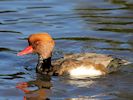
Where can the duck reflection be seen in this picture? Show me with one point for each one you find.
(38, 89)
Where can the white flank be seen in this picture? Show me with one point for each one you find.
(84, 71)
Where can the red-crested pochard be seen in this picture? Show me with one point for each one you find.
(75, 65)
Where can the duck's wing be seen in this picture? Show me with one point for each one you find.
(107, 61)
(91, 57)
(100, 61)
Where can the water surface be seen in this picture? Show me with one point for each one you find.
(101, 26)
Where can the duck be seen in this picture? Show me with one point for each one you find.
(75, 65)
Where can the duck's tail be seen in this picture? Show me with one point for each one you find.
(116, 63)
(125, 62)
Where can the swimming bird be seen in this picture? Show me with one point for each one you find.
(75, 65)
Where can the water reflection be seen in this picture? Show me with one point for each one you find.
(38, 89)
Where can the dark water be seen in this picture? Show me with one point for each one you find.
(102, 26)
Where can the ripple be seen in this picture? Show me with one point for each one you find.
(6, 11)
(38, 7)
(89, 39)
(5, 49)
(9, 31)
(116, 30)
(97, 9)
(116, 23)
(12, 76)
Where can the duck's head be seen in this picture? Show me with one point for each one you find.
(40, 43)
(43, 45)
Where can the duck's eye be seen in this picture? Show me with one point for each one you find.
(36, 42)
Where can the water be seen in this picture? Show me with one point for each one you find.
(101, 26)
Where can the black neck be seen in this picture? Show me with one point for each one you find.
(44, 65)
